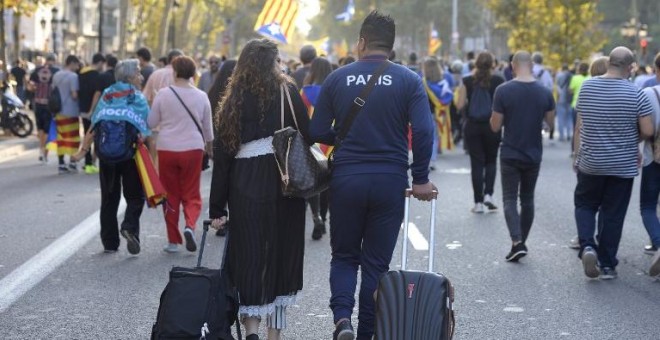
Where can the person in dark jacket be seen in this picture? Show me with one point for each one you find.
(370, 174)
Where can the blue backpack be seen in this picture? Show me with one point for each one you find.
(481, 104)
(115, 140)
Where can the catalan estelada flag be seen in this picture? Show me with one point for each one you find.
(153, 188)
(434, 40)
(277, 20)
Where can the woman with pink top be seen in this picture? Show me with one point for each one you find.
(183, 114)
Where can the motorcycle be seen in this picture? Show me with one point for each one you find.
(12, 115)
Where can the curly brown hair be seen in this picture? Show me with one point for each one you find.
(256, 73)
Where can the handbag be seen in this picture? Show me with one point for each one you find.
(303, 169)
(205, 159)
(356, 107)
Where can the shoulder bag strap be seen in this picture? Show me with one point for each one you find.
(199, 128)
(358, 103)
(288, 98)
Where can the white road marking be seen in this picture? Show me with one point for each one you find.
(30, 273)
(416, 238)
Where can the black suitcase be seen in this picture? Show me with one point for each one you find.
(414, 305)
(197, 303)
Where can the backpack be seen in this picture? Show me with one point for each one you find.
(115, 141)
(55, 101)
(480, 106)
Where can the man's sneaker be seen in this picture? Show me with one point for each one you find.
(655, 265)
(171, 248)
(132, 243)
(344, 331)
(608, 273)
(189, 235)
(574, 243)
(478, 208)
(62, 169)
(590, 263)
(488, 203)
(517, 252)
(650, 249)
(109, 251)
(319, 229)
(91, 169)
(73, 167)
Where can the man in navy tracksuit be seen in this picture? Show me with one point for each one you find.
(370, 169)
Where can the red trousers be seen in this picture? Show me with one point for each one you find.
(180, 174)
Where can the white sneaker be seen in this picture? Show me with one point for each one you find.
(171, 248)
(488, 203)
(478, 208)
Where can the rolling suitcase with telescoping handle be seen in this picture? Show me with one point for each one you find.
(414, 305)
(198, 303)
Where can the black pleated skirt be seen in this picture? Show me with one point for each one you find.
(267, 238)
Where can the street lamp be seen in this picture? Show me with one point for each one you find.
(53, 25)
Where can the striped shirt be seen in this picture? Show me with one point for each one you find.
(610, 110)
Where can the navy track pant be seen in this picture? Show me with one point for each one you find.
(366, 214)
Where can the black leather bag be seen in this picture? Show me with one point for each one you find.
(303, 169)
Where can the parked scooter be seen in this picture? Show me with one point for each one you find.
(12, 115)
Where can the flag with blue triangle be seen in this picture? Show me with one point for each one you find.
(277, 20)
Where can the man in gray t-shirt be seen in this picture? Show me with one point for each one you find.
(66, 82)
(68, 134)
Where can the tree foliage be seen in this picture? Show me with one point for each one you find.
(563, 30)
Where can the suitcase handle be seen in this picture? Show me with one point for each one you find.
(406, 222)
(206, 224)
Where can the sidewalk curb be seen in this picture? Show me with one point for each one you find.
(13, 148)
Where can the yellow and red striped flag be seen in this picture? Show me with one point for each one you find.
(277, 20)
(153, 188)
(434, 40)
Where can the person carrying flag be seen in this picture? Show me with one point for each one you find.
(440, 97)
(122, 105)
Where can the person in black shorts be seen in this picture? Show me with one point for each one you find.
(40, 81)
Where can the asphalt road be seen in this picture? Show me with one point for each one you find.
(546, 296)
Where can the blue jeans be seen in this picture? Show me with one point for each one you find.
(564, 120)
(648, 201)
(367, 211)
(519, 177)
(607, 196)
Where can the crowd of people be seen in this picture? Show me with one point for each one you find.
(230, 111)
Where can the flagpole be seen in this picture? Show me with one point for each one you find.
(454, 29)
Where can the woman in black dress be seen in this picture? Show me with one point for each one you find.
(266, 237)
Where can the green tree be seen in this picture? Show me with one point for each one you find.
(20, 8)
(563, 30)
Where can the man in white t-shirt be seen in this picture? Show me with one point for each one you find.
(650, 186)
